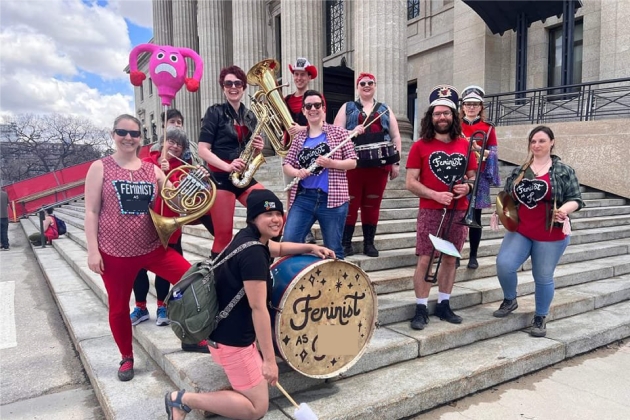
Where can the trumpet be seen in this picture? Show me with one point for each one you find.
(191, 196)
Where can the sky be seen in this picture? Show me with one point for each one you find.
(68, 56)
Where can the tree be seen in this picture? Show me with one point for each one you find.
(32, 145)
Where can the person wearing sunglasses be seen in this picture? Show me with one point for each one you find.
(379, 150)
(436, 167)
(121, 237)
(474, 119)
(303, 72)
(321, 195)
(226, 130)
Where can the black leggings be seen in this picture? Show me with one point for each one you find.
(141, 283)
(474, 235)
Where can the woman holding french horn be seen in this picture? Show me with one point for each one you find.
(121, 238)
(378, 149)
(473, 119)
(546, 192)
(226, 130)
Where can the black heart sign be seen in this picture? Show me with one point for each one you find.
(447, 168)
(530, 191)
(307, 156)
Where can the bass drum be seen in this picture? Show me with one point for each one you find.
(324, 314)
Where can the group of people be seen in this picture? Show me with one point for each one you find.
(337, 170)
(441, 174)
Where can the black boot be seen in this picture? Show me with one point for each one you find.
(346, 240)
(369, 231)
(443, 311)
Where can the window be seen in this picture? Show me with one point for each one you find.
(278, 32)
(150, 87)
(334, 26)
(555, 55)
(413, 9)
(412, 108)
(153, 129)
(141, 89)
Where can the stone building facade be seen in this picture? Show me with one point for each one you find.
(410, 45)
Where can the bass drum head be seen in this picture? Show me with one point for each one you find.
(327, 316)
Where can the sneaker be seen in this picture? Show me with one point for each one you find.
(139, 315)
(162, 318)
(444, 312)
(310, 239)
(125, 372)
(507, 306)
(539, 327)
(472, 263)
(200, 347)
(421, 318)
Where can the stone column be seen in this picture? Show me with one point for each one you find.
(162, 22)
(249, 21)
(302, 36)
(215, 47)
(380, 40)
(185, 35)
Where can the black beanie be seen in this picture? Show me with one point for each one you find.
(261, 201)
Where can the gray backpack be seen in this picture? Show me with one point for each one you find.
(192, 304)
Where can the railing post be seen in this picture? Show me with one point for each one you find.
(42, 217)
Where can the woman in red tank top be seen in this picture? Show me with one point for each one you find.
(121, 237)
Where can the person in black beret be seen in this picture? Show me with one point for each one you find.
(232, 344)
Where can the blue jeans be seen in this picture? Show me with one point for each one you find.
(4, 232)
(310, 205)
(515, 249)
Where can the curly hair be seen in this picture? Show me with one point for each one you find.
(236, 71)
(427, 130)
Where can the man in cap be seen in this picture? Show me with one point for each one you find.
(303, 72)
(233, 343)
(435, 170)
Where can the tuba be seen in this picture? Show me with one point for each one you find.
(191, 196)
(274, 119)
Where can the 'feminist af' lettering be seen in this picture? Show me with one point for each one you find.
(447, 168)
(343, 313)
(529, 192)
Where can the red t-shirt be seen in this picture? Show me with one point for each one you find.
(534, 196)
(439, 163)
(468, 129)
(294, 103)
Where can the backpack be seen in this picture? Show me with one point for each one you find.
(192, 304)
(61, 226)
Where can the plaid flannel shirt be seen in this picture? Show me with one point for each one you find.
(337, 181)
(564, 183)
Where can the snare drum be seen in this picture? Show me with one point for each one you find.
(324, 314)
(376, 154)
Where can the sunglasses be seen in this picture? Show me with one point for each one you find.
(123, 133)
(317, 105)
(369, 83)
(232, 83)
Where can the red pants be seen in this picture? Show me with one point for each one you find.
(119, 275)
(366, 187)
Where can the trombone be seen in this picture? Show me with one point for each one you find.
(468, 219)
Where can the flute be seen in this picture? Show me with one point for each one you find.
(314, 165)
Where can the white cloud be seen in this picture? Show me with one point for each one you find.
(51, 48)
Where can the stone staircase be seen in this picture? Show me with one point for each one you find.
(402, 372)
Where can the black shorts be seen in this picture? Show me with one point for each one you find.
(224, 183)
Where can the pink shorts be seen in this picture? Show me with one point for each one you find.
(428, 222)
(242, 365)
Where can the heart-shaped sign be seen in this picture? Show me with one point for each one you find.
(307, 156)
(447, 168)
(530, 191)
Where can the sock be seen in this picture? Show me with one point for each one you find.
(422, 301)
(443, 296)
(141, 305)
(160, 303)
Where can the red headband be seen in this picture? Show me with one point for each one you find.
(364, 75)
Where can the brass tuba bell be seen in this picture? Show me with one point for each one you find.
(190, 196)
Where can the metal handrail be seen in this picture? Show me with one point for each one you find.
(42, 215)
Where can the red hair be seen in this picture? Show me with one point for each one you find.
(364, 75)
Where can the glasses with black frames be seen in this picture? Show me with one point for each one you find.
(316, 105)
(232, 83)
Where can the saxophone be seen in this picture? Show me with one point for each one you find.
(253, 158)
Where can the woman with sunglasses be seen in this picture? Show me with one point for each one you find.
(225, 131)
(473, 119)
(121, 237)
(323, 194)
(379, 150)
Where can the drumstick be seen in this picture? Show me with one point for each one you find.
(286, 394)
(302, 411)
(314, 165)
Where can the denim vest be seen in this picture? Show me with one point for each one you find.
(352, 117)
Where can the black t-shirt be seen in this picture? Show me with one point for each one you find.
(250, 264)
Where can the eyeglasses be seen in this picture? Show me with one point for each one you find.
(123, 133)
(472, 104)
(233, 83)
(317, 105)
(369, 83)
(174, 143)
(442, 114)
